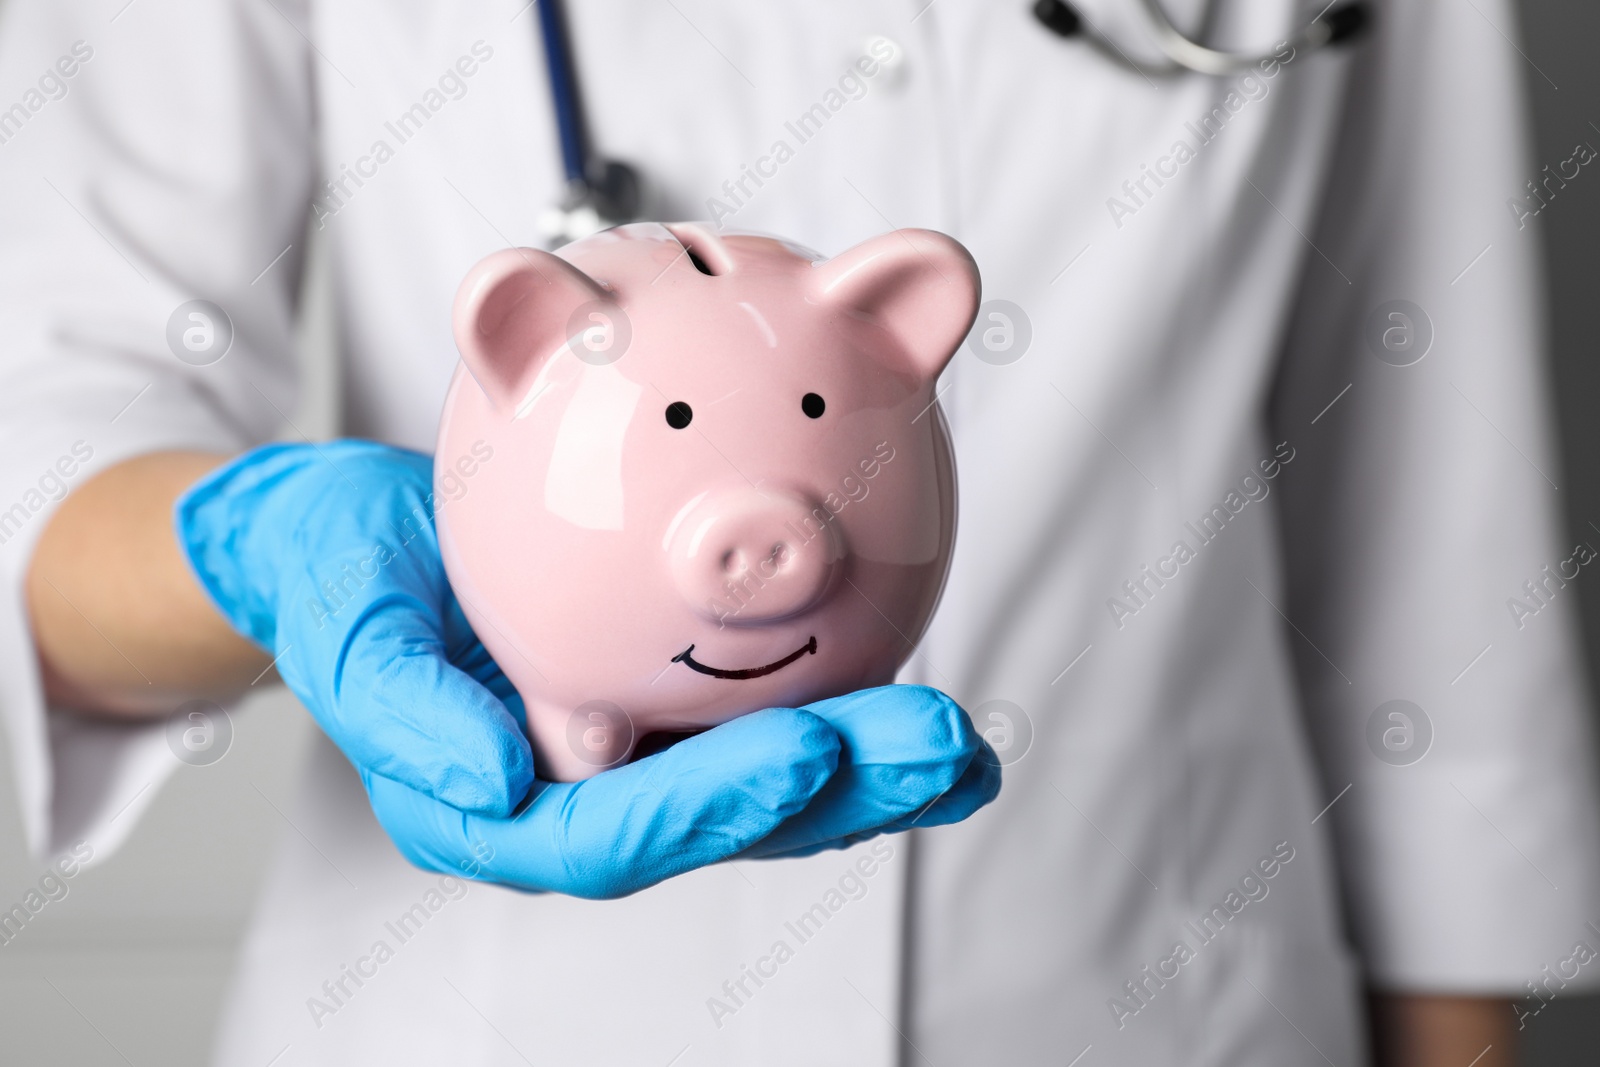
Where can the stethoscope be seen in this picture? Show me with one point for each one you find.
(1338, 22)
(601, 193)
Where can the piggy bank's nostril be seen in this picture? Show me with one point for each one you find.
(732, 561)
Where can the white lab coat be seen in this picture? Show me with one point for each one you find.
(1182, 334)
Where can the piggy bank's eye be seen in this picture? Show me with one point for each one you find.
(679, 414)
(813, 405)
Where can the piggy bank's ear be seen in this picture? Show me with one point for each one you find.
(920, 286)
(511, 315)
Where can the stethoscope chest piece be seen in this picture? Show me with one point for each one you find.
(597, 202)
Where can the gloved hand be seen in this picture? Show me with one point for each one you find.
(780, 782)
(327, 557)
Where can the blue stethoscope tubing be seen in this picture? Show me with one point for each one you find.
(564, 90)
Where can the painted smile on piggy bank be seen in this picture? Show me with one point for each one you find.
(748, 672)
(671, 503)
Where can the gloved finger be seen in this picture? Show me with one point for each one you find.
(837, 844)
(462, 648)
(904, 746)
(398, 708)
(978, 785)
(698, 802)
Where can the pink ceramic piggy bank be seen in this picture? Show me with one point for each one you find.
(684, 476)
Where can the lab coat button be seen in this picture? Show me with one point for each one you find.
(886, 57)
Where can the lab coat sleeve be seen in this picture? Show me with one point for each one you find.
(1420, 503)
(153, 154)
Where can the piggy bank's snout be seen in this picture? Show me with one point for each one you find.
(750, 556)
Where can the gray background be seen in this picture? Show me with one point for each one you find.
(143, 946)
(1560, 37)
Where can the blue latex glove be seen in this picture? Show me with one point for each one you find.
(780, 782)
(327, 557)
